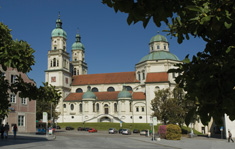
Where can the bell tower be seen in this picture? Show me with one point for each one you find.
(58, 68)
(79, 66)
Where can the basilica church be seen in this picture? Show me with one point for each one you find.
(107, 97)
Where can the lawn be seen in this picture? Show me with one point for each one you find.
(131, 126)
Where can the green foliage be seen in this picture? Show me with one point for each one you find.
(170, 107)
(209, 78)
(107, 125)
(48, 97)
(19, 55)
(173, 132)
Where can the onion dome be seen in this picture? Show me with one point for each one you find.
(159, 55)
(88, 94)
(77, 45)
(158, 38)
(58, 31)
(124, 93)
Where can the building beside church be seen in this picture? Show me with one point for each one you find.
(22, 111)
(107, 97)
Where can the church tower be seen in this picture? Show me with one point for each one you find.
(79, 67)
(58, 68)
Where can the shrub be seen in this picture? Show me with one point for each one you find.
(162, 131)
(173, 132)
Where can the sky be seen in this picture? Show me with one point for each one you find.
(111, 45)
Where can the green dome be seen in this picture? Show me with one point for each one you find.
(159, 55)
(59, 32)
(77, 44)
(124, 93)
(88, 94)
(158, 38)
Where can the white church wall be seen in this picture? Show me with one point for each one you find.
(229, 125)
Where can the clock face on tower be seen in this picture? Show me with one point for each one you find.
(53, 79)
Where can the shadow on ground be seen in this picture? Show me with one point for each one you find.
(21, 140)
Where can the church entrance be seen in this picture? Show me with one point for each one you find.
(106, 109)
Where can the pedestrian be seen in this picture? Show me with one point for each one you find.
(230, 136)
(6, 130)
(2, 131)
(15, 130)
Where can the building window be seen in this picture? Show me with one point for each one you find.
(74, 71)
(115, 107)
(110, 89)
(80, 107)
(24, 101)
(139, 75)
(55, 48)
(97, 107)
(165, 47)
(79, 90)
(137, 109)
(55, 41)
(20, 120)
(173, 75)
(94, 89)
(158, 46)
(51, 63)
(130, 106)
(13, 78)
(142, 109)
(143, 75)
(64, 105)
(156, 89)
(57, 63)
(93, 107)
(54, 62)
(140, 117)
(128, 88)
(72, 107)
(131, 117)
(75, 59)
(12, 98)
(72, 117)
(64, 47)
(66, 80)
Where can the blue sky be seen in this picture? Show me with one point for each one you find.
(111, 45)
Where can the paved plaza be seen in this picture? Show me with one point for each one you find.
(103, 140)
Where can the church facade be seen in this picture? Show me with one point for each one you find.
(107, 97)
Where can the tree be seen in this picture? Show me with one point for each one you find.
(170, 106)
(209, 78)
(51, 98)
(19, 55)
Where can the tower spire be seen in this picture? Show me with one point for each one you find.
(78, 37)
(59, 22)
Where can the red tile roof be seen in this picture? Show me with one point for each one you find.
(104, 96)
(157, 77)
(105, 78)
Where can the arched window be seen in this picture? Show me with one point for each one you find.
(158, 46)
(57, 63)
(110, 89)
(74, 71)
(93, 107)
(51, 63)
(54, 62)
(80, 107)
(156, 89)
(139, 76)
(143, 73)
(64, 105)
(115, 107)
(164, 46)
(79, 90)
(94, 89)
(72, 107)
(97, 107)
(128, 88)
